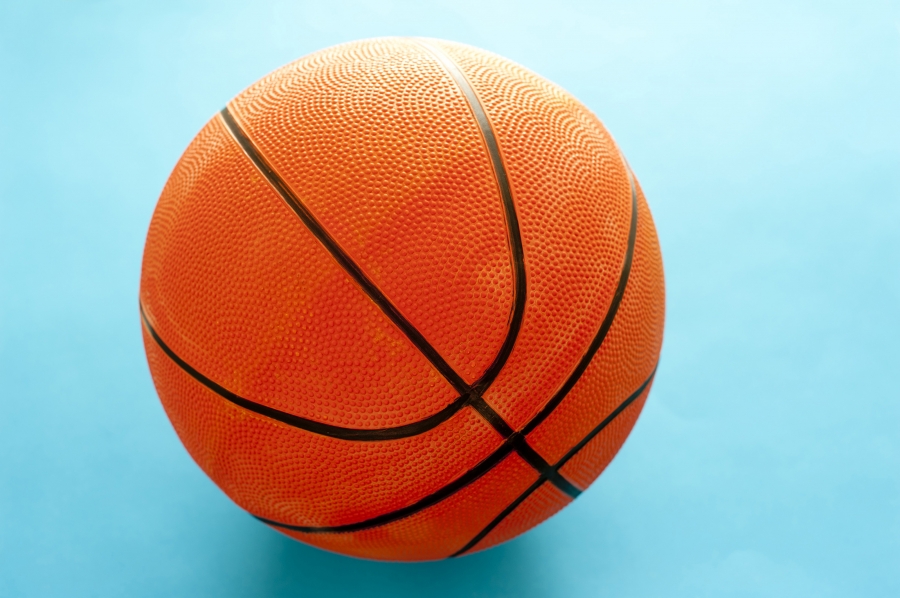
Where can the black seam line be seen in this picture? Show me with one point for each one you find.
(478, 402)
(488, 413)
(572, 452)
(467, 478)
(517, 251)
(548, 472)
(604, 326)
(495, 419)
(512, 443)
(378, 434)
(606, 421)
(468, 395)
(528, 454)
(491, 416)
(374, 293)
(503, 515)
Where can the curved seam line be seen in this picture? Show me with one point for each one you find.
(467, 478)
(605, 326)
(528, 454)
(503, 515)
(468, 394)
(341, 256)
(572, 452)
(607, 420)
(533, 458)
(517, 258)
(570, 382)
(296, 421)
(483, 467)
(514, 237)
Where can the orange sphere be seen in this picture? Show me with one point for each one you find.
(402, 299)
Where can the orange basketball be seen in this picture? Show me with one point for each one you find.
(402, 299)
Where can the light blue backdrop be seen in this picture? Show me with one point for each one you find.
(767, 138)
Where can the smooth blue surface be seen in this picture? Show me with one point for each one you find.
(767, 138)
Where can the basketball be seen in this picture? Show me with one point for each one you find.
(402, 299)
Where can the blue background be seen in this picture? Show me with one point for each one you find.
(767, 138)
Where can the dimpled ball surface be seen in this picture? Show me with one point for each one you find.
(402, 299)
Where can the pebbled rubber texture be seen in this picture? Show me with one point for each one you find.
(560, 160)
(240, 289)
(627, 356)
(368, 287)
(439, 530)
(285, 474)
(544, 501)
(381, 145)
